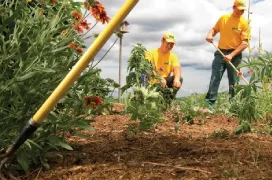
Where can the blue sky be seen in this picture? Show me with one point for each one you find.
(190, 21)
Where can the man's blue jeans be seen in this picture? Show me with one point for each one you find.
(218, 68)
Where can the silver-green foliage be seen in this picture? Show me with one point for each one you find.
(147, 101)
(145, 105)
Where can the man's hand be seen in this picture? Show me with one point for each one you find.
(238, 50)
(209, 38)
(210, 35)
(228, 58)
(176, 83)
(163, 81)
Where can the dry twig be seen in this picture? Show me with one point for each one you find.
(177, 167)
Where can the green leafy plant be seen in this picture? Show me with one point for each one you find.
(251, 102)
(148, 101)
(188, 108)
(139, 69)
(244, 127)
(220, 134)
(146, 106)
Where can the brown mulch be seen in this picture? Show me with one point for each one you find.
(195, 151)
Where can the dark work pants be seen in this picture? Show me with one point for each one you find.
(218, 68)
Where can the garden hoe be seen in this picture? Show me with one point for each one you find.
(230, 63)
(66, 83)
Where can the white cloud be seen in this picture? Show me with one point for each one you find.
(190, 21)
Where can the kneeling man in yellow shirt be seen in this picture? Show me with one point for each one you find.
(166, 62)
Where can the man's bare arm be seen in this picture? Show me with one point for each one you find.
(177, 75)
(210, 35)
(238, 50)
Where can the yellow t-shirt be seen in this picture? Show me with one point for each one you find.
(163, 62)
(233, 30)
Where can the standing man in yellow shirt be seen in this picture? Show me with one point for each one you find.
(233, 29)
(166, 62)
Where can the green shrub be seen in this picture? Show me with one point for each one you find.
(36, 53)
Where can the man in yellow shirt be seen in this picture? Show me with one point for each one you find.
(233, 29)
(166, 62)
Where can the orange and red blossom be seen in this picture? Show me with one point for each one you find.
(72, 45)
(53, 2)
(92, 101)
(99, 13)
(79, 24)
(86, 5)
(78, 28)
(77, 48)
(84, 24)
(76, 15)
(239, 73)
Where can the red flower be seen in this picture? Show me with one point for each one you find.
(78, 28)
(53, 2)
(85, 25)
(86, 5)
(92, 101)
(79, 49)
(104, 18)
(76, 15)
(250, 71)
(98, 100)
(239, 73)
(99, 13)
(72, 45)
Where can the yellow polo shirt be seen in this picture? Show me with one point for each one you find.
(163, 62)
(233, 30)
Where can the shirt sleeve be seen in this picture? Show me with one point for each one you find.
(245, 31)
(175, 61)
(217, 25)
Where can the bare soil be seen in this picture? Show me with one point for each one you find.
(205, 150)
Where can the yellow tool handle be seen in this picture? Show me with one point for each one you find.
(230, 63)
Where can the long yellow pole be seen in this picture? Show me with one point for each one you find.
(87, 57)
